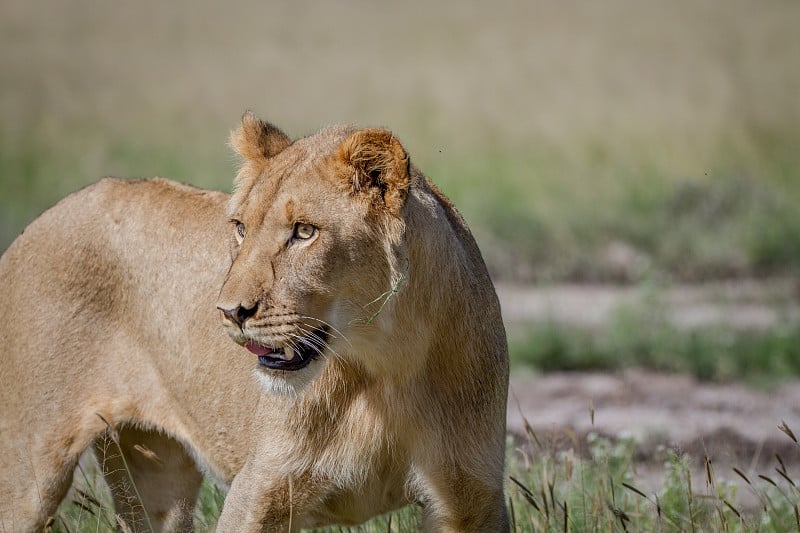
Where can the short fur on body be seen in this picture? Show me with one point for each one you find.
(131, 308)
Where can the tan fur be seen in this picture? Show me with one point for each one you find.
(110, 336)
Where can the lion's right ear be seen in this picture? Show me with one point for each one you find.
(379, 166)
(256, 140)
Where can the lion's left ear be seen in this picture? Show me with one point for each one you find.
(379, 166)
(256, 140)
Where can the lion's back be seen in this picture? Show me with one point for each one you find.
(94, 267)
(107, 233)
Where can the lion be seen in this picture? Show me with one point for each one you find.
(326, 340)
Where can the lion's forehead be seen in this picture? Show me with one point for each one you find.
(297, 184)
(309, 199)
(304, 157)
(325, 140)
(303, 193)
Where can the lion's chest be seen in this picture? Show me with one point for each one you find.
(358, 454)
(379, 494)
(364, 470)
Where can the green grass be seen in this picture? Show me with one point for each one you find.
(641, 336)
(552, 216)
(542, 217)
(591, 486)
(598, 490)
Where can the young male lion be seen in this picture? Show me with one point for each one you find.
(362, 364)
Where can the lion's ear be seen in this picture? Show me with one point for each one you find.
(379, 164)
(257, 140)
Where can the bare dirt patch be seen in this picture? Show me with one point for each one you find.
(730, 421)
(732, 424)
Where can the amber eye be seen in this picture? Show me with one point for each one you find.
(303, 231)
(240, 231)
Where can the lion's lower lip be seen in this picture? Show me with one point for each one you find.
(296, 363)
(305, 351)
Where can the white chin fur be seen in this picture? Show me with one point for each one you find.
(289, 383)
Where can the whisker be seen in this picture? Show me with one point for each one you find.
(318, 348)
(266, 324)
(310, 328)
(329, 325)
(313, 336)
(298, 332)
(315, 342)
(292, 344)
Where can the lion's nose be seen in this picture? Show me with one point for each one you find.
(239, 314)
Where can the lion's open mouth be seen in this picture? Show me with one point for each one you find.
(299, 355)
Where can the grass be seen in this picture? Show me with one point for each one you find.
(555, 217)
(719, 332)
(590, 486)
(536, 222)
(718, 353)
(597, 491)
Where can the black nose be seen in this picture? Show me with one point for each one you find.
(239, 314)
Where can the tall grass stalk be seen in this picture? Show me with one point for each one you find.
(590, 486)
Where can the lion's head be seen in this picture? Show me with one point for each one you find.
(317, 245)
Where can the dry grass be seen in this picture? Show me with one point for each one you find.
(592, 486)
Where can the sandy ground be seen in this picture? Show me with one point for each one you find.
(732, 424)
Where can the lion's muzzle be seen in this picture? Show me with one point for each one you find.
(284, 341)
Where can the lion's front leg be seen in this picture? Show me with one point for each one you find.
(261, 500)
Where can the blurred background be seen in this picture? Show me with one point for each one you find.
(636, 161)
(631, 170)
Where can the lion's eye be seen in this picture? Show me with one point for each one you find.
(240, 231)
(303, 231)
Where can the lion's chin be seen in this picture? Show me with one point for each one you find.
(289, 383)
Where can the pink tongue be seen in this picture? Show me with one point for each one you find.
(258, 349)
